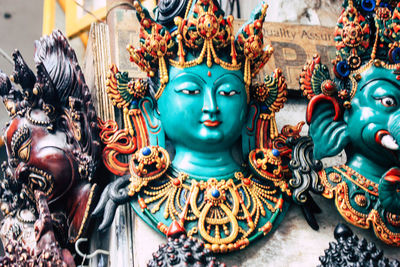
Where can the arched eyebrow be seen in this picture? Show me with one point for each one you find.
(191, 76)
(225, 76)
(382, 80)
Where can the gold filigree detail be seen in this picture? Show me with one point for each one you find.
(226, 205)
(147, 164)
(328, 187)
(346, 210)
(335, 177)
(359, 180)
(382, 231)
(360, 200)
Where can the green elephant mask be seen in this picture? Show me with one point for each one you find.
(358, 111)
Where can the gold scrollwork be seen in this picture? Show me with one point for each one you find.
(224, 205)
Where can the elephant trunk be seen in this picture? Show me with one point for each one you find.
(394, 127)
(389, 194)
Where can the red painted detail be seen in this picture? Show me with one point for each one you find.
(142, 137)
(266, 228)
(330, 86)
(175, 229)
(393, 175)
(211, 123)
(253, 119)
(246, 181)
(379, 135)
(147, 115)
(258, 129)
(142, 204)
(280, 203)
(316, 100)
(176, 182)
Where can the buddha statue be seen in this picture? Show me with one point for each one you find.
(203, 155)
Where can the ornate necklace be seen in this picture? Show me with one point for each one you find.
(227, 214)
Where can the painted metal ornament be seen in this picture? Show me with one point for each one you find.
(358, 111)
(349, 250)
(53, 148)
(183, 127)
(185, 251)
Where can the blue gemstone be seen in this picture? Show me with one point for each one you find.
(134, 104)
(275, 152)
(343, 69)
(368, 5)
(395, 55)
(146, 151)
(215, 193)
(264, 108)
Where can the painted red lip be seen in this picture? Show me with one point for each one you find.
(211, 123)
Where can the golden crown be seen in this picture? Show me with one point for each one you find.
(367, 30)
(367, 34)
(205, 31)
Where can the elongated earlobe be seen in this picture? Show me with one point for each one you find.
(152, 118)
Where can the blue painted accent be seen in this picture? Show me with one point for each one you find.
(343, 69)
(146, 151)
(368, 5)
(215, 193)
(275, 152)
(134, 104)
(264, 108)
(396, 55)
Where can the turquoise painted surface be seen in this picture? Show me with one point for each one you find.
(375, 107)
(202, 111)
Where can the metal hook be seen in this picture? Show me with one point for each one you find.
(86, 256)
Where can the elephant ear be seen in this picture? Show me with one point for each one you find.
(324, 113)
(329, 135)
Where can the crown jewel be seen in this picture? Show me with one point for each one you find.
(203, 35)
(367, 34)
(368, 30)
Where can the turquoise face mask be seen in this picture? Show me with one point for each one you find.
(205, 156)
(202, 111)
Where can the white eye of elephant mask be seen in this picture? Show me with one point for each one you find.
(388, 101)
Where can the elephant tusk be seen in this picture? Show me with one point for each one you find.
(389, 142)
(385, 139)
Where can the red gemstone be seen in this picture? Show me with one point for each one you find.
(329, 86)
(246, 181)
(176, 182)
(175, 229)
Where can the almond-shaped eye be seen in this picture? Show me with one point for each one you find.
(25, 151)
(388, 101)
(190, 92)
(230, 93)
